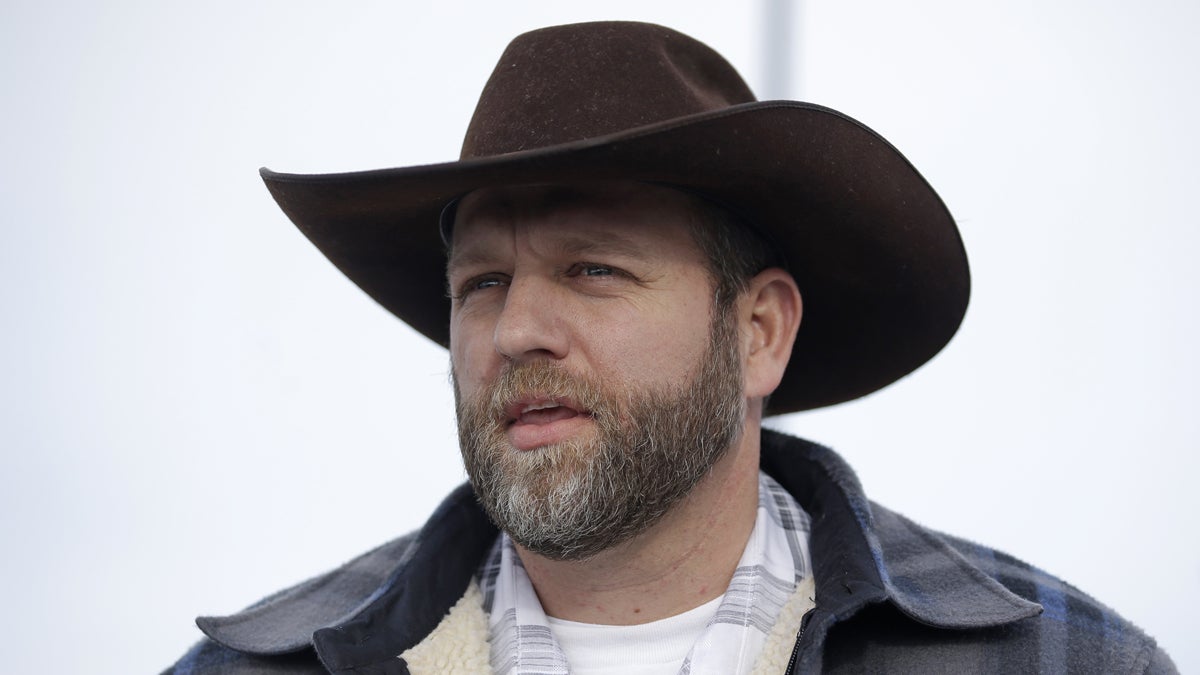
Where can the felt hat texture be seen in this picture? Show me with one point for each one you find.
(874, 251)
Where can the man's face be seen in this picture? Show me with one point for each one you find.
(595, 384)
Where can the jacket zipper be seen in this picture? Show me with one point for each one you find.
(791, 666)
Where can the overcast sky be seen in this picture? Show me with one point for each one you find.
(198, 409)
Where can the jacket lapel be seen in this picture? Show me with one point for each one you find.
(375, 606)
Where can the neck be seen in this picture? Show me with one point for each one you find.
(682, 562)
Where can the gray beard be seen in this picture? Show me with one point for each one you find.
(572, 500)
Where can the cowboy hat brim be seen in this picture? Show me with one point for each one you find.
(874, 251)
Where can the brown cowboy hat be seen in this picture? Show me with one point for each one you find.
(873, 249)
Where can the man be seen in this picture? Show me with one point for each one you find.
(632, 264)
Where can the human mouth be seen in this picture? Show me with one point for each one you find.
(535, 422)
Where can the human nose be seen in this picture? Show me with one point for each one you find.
(531, 324)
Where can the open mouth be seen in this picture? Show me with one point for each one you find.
(546, 412)
(536, 421)
(543, 410)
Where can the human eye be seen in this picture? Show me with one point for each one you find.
(592, 270)
(481, 282)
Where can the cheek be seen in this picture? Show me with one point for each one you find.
(468, 358)
(659, 346)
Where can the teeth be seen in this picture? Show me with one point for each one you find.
(538, 406)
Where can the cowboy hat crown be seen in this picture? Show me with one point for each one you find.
(585, 81)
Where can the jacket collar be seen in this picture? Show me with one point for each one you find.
(387, 600)
(407, 584)
(864, 553)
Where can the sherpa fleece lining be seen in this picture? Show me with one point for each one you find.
(459, 644)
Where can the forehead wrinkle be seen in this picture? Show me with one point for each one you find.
(563, 241)
(569, 219)
(598, 241)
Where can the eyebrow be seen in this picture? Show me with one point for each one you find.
(597, 243)
(458, 258)
(601, 242)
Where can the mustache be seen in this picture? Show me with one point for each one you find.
(540, 379)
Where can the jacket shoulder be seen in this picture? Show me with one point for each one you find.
(1074, 632)
(273, 636)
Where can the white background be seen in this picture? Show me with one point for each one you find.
(196, 408)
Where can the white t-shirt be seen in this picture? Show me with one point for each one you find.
(655, 648)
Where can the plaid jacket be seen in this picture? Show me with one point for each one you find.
(892, 597)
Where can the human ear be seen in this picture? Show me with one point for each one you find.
(771, 310)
